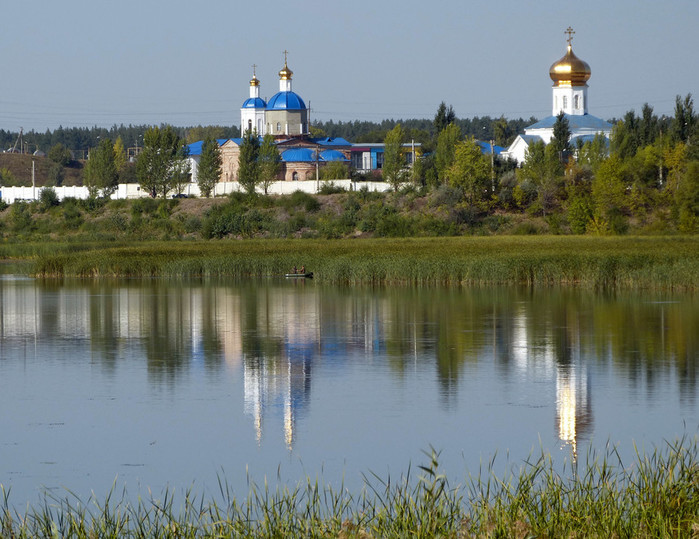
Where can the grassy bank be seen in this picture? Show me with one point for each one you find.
(656, 496)
(616, 262)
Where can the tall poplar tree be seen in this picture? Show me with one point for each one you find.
(248, 167)
(393, 159)
(444, 154)
(100, 173)
(269, 162)
(161, 157)
(209, 169)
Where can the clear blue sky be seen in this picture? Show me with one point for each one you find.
(85, 63)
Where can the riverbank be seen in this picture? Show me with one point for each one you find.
(655, 496)
(612, 262)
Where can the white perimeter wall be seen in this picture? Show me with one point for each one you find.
(133, 190)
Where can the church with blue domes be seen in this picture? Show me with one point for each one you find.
(284, 115)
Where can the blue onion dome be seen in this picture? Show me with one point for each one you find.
(254, 103)
(286, 101)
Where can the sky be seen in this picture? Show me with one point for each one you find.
(91, 63)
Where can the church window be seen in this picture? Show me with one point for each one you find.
(295, 176)
(279, 127)
(565, 101)
(576, 100)
(249, 125)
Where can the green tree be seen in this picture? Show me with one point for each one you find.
(594, 152)
(625, 135)
(59, 154)
(160, 156)
(100, 173)
(197, 133)
(180, 172)
(269, 162)
(687, 199)
(119, 155)
(209, 169)
(560, 142)
(248, 166)
(447, 140)
(648, 126)
(470, 170)
(502, 132)
(542, 168)
(609, 197)
(444, 117)
(394, 160)
(684, 121)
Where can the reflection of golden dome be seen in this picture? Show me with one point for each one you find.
(285, 74)
(570, 70)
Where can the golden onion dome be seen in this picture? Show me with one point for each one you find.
(285, 73)
(254, 81)
(570, 70)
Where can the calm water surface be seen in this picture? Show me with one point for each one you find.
(170, 384)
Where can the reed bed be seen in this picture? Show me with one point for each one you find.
(628, 262)
(656, 496)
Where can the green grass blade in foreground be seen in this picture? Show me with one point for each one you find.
(656, 496)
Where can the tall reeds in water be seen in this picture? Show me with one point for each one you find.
(656, 496)
(551, 260)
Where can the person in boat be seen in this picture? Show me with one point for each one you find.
(303, 270)
(293, 271)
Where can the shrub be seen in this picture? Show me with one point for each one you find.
(232, 219)
(20, 217)
(446, 195)
(329, 188)
(71, 215)
(143, 205)
(7, 178)
(48, 198)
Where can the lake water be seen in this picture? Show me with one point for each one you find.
(172, 384)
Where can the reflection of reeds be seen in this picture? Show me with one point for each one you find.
(655, 497)
(582, 261)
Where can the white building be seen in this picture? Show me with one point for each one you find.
(569, 75)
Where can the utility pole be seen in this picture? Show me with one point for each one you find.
(492, 166)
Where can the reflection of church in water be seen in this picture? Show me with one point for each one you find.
(278, 385)
(557, 354)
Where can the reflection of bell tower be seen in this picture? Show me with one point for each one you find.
(573, 402)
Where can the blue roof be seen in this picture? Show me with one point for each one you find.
(286, 101)
(586, 138)
(332, 155)
(329, 141)
(195, 147)
(308, 155)
(485, 148)
(575, 121)
(254, 103)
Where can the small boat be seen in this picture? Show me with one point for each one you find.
(308, 275)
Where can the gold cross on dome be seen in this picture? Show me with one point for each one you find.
(570, 33)
(254, 67)
(285, 53)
